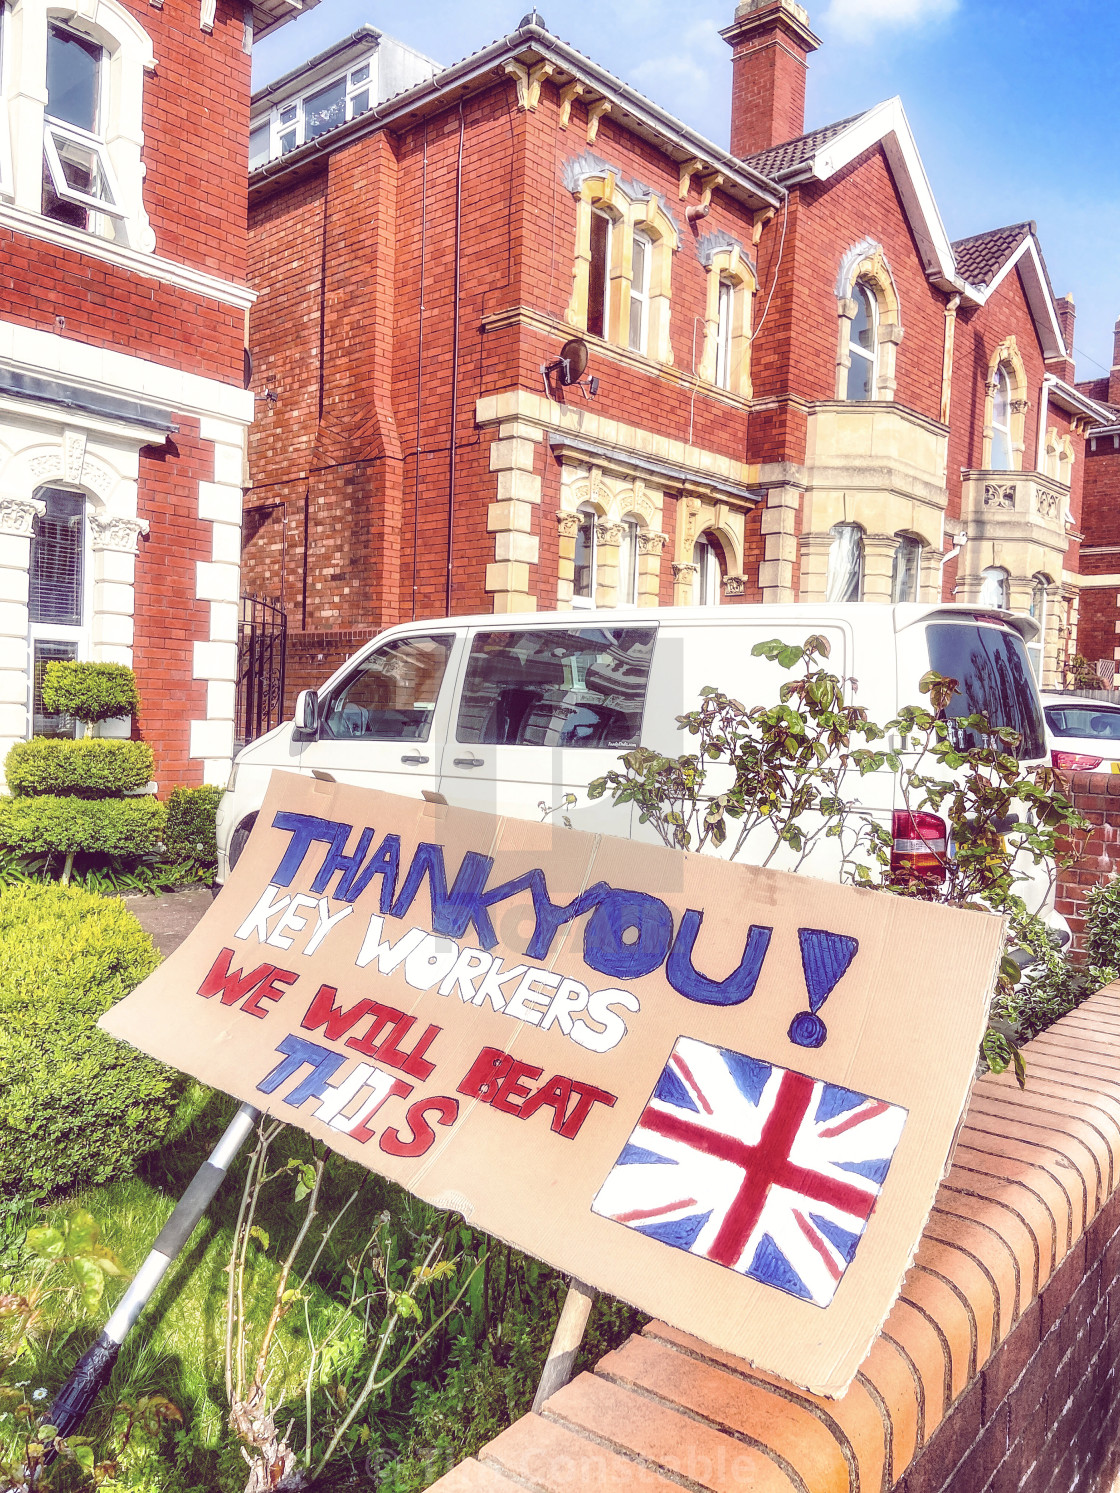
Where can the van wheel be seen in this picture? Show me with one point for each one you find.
(240, 839)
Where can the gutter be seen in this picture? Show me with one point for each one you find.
(448, 86)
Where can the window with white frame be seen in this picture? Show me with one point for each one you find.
(1001, 422)
(599, 275)
(709, 577)
(1039, 587)
(326, 106)
(78, 177)
(641, 263)
(863, 345)
(995, 588)
(57, 599)
(844, 581)
(905, 569)
(583, 577)
(725, 332)
(628, 563)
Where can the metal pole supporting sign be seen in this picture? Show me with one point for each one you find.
(92, 1371)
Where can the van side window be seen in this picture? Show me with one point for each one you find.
(579, 687)
(391, 696)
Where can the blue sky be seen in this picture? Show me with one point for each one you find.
(1014, 103)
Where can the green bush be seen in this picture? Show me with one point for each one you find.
(76, 1106)
(190, 833)
(91, 768)
(90, 692)
(1102, 926)
(125, 827)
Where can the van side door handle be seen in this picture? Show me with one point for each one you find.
(470, 762)
(415, 760)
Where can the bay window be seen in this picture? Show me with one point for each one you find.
(844, 580)
(1000, 460)
(583, 588)
(905, 569)
(709, 576)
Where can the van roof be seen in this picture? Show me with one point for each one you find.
(902, 614)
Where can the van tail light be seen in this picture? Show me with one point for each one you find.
(1075, 761)
(921, 846)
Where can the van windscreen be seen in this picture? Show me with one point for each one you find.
(994, 679)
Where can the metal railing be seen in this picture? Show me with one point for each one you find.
(262, 641)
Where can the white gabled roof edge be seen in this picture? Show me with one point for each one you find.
(887, 123)
(1039, 296)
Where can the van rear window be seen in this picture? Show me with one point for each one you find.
(994, 679)
(557, 687)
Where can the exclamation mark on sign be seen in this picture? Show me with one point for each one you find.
(825, 959)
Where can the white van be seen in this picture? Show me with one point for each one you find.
(506, 713)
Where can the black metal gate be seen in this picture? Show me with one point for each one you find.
(261, 648)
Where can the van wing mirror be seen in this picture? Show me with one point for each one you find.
(306, 719)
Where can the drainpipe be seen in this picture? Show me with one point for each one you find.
(455, 360)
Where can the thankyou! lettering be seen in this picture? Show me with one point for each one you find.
(628, 934)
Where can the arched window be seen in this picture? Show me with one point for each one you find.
(725, 332)
(628, 563)
(863, 345)
(1035, 650)
(1000, 460)
(641, 265)
(583, 589)
(844, 581)
(906, 569)
(599, 275)
(56, 595)
(995, 588)
(709, 577)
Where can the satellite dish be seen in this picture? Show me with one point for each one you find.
(573, 359)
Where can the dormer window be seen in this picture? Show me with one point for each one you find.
(324, 108)
(77, 176)
(863, 345)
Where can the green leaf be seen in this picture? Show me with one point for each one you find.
(84, 1457)
(256, 1232)
(48, 1244)
(82, 1233)
(88, 1274)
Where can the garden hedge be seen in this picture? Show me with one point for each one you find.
(191, 830)
(90, 692)
(76, 1106)
(90, 768)
(126, 827)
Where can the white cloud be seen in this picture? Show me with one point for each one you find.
(698, 66)
(866, 17)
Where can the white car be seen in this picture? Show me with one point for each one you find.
(1083, 733)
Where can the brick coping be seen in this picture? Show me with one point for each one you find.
(1016, 1233)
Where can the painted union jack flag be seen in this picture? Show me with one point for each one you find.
(766, 1171)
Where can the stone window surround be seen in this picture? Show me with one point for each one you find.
(39, 447)
(614, 498)
(724, 258)
(1007, 357)
(598, 186)
(866, 262)
(129, 55)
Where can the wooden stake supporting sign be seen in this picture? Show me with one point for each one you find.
(703, 1088)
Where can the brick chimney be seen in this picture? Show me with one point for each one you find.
(1064, 367)
(1114, 376)
(770, 44)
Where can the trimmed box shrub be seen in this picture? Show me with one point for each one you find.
(89, 768)
(191, 833)
(76, 1106)
(124, 827)
(90, 692)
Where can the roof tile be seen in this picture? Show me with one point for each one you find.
(781, 158)
(980, 258)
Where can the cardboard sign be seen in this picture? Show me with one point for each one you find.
(723, 1094)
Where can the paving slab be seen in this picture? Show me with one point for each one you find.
(170, 916)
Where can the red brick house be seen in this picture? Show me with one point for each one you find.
(1099, 634)
(123, 307)
(804, 389)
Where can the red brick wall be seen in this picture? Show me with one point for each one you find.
(168, 618)
(1097, 796)
(1097, 636)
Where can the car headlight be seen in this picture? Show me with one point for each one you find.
(232, 783)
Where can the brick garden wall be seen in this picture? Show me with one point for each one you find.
(1097, 796)
(997, 1370)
